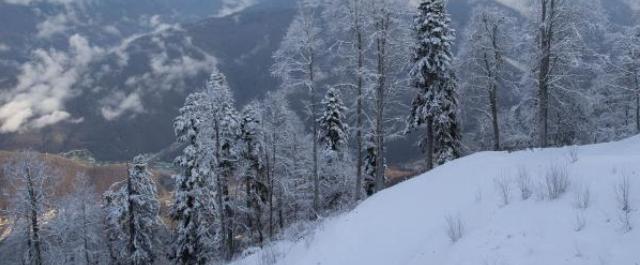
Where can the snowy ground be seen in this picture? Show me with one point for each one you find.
(406, 224)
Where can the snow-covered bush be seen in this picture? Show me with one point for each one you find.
(503, 187)
(524, 183)
(581, 222)
(582, 198)
(556, 182)
(455, 227)
(269, 255)
(573, 154)
(623, 189)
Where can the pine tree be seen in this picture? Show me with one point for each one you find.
(251, 138)
(143, 212)
(194, 209)
(132, 217)
(446, 131)
(333, 130)
(370, 164)
(225, 126)
(431, 70)
(115, 202)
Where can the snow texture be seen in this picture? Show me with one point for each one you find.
(409, 221)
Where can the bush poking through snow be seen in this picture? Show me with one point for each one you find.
(623, 189)
(455, 228)
(581, 222)
(583, 198)
(503, 187)
(269, 255)
(573, 154)
(524, 183)
(556, 182)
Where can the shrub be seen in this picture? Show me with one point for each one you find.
(524, 183)
(582, 199)
(455, 228)
(503, 186)
(623, 189)
(556, 182)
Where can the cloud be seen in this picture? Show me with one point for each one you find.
(4, 47)
(53, 25)
(118, 104)
(230, 7)
(44, 85)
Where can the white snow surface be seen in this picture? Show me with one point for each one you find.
(405, 224)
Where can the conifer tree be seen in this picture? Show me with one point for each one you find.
(446, 130)
(431, 70)
(194, 208)
(251, 138)
(333, 130)
(132, 217)
(225, 126)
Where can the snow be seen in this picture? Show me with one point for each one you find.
(406, 225)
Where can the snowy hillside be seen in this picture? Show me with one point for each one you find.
(407, 224)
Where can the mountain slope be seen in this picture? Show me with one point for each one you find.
(406, 225)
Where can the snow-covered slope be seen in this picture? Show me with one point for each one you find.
(406, 224)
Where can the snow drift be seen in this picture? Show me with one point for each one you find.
(416, 222)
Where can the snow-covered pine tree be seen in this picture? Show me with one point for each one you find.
(445, 123)
(333, 138)
(333, 129)
(225, 126)
(370, 164)
(252, 156)
(143, 209)
(116, 210)
(349, 21)
(432, 57)
(132, 217)
(194, 209)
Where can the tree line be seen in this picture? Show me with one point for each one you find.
(558, 74)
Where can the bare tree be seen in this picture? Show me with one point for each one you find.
(31, 178)
(296, 64)
(487, 41)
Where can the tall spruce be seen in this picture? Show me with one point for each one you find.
(252, 154)
(225, 126)
(333, 130)
(446, 129)
(194, 208)
(133, 216)
(431, 70)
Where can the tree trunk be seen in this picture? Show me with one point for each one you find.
(132, 227)
(85, 234)
(381, 42)
(637, 81)
(429, 148)
(359, 114)
(314, 114)
(546, 38)
(35, 224)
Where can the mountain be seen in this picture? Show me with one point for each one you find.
(114, 89)
(109, 76)
(414, 222)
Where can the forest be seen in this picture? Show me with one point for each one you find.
(354, 75)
